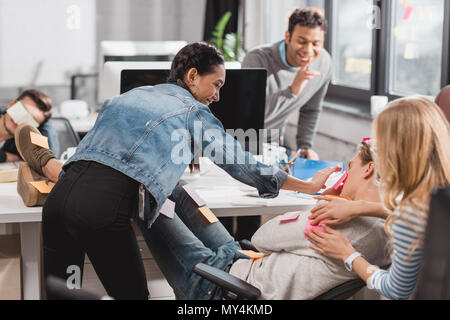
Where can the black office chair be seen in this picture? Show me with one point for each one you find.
(434, 281)
(237, 289)
(67, 137)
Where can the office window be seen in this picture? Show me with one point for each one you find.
(394, 48)
(351, 44)
(416, 47)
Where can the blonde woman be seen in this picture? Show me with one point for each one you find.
(413, 149)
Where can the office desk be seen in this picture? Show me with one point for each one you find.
(224, 195)
(12, 210)
(227, 197)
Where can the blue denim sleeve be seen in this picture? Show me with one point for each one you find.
(47, 130)
(227, 153)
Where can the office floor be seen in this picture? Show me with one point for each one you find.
(157, 285)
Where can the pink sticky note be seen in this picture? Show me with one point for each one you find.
(407, 13)
(341, 181)
(194, 195)
(309, 227)
(168, 209)
(289, 217)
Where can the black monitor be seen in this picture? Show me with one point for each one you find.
(242, 98)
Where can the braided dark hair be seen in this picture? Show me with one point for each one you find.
(199, 55)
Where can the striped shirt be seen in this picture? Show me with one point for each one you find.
(400, 280)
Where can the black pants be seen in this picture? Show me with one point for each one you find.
(88, 212)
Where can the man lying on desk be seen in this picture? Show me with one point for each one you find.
(37, 107)
(289, 268)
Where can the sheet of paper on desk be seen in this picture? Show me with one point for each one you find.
(194, 195)
(168, 209)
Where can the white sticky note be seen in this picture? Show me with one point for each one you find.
(19, 115)
(194, 195)
(168, 209)
(289, 217)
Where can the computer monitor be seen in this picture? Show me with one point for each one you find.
(138, 51)
(110, 86)
(242, 98)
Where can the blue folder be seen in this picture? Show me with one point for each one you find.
(305, 168)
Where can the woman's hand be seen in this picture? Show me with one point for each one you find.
(319, 179)
(332, 244)
(337, 210)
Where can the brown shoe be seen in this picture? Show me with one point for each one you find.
(36, 156)
(30, 195)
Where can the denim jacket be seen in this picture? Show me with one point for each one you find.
(151, 134)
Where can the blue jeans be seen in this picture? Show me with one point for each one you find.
(178, 244)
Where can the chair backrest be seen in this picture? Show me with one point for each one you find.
(434, 278)
(67, 137)
(343, 291)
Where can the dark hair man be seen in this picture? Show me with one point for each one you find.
(39, 107)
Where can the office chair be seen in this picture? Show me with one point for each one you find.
(67, 137)
(434, 278)
(237, 289)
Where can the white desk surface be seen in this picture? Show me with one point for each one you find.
(223, 194)
(226, 196)
(12, 209)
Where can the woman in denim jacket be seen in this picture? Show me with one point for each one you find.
(146, 136)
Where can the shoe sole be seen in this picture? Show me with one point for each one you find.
(30, 195)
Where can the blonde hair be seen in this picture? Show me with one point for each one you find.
(413, 157)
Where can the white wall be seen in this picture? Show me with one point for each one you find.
(43, 42)
(150, 20)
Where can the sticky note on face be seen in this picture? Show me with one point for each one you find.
(309, 227)
(168, 209)
(194, 195)
(341, 181)
(39, 140)
(41, 186)
(289, 217)
(252, 254)
(19, 114)
(208, 214)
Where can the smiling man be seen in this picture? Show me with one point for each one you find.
(298, 75)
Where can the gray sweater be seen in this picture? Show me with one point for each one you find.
(293, 271)
(280, 102)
